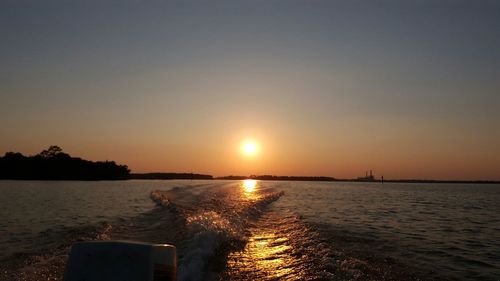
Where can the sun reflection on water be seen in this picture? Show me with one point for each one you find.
(270, 252)
(249, 185)
(266, 257)
(250, 190)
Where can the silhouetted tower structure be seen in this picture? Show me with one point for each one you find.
(367, 177)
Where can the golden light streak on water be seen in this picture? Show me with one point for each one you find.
(249, 185)
(271, 252)
(266, 256)
(249, 189)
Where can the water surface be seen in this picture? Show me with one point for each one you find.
(261, 230)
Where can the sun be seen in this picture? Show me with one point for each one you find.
(249, 148)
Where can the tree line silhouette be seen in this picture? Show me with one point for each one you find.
(171, 176)
(279, 178)
(54, 164)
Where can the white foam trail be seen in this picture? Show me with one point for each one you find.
(215, 218)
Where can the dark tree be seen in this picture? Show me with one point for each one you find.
(51, 152)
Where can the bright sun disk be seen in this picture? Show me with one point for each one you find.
(249, 148)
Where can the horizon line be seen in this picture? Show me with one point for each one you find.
(330, 178)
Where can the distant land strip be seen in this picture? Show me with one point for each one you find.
(279, 178)
(324, 178)
(54, 164)
(170, 176)
(438, 181)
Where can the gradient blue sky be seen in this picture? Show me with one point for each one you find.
(410, 89)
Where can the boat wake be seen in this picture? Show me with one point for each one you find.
(215, 222)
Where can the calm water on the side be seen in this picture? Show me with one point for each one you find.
(262, 230)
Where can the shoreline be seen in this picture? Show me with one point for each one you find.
(416, 181)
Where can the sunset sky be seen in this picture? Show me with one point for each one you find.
(410, 89)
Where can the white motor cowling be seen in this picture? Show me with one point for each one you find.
(121, 261)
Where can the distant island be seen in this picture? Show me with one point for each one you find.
(170, 176)
(279, 178)
(54, 164)
(366, 179)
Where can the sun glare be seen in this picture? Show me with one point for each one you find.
(249, 148)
